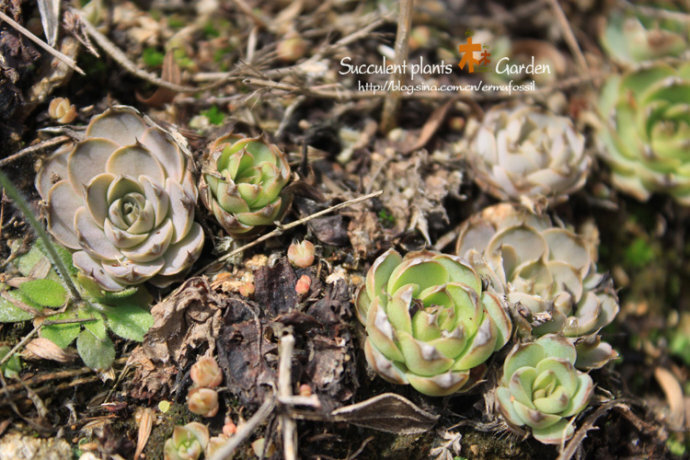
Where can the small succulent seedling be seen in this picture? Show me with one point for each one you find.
(203, 401)
(429, 321)
(541, 389)
(205, 372)
(242, 184)
(301, 254)
(188, 442)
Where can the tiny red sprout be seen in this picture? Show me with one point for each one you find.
(303, 285)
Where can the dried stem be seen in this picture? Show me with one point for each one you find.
(245, 430)
(279, 230)
(285, 349)
(33, 149)
(570, 38)
(27, 33)
(392, 101)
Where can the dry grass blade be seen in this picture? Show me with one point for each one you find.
(50, 18)
(144, 419)
(27, 33)
(674, 395)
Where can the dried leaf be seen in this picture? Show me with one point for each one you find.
(42, 348)
(388, 412)
(144, 419)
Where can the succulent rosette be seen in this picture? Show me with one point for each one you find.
(646, 131)
(188, 442)
(631, 39)
(123, 200)
(429, 321)
(542, 390)
(243, 182)
(550, 274)
(524, 153)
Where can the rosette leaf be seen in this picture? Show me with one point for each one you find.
(550, 274)
(542, 390)
(429, 321)
(526, 154)
(243, 183)
(645, 134)
(123, 201)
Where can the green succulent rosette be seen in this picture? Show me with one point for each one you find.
(188, 442)
(243, 182)
(429, 321)
(550, 274)
(645, 134)
(123, 200)
(633, 39)
(541, 389)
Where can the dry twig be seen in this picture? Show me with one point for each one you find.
(27, 33)
(402, 38)
(281, 228)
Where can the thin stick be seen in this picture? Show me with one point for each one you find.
(285, 349)
(23, 206)
(392, 101)
(33, 149)
(279, 230)
(570, 38)
(245, 430)
(58, 375)
(27, 33)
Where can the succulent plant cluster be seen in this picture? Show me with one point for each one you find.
(550, 275)
(202, 398)
(429, 320)
(242, 184)
(541, 389)
(645, 132)
(123, 200)
(522, 153)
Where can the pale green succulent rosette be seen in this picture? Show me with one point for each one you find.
(524, 153)
(645, 137)
(542, 390)
(243, 182)
(630, 40)
(429, 321)
(123, 200)
(550, 274)
(188, 442)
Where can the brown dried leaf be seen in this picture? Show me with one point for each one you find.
(171, 72)
(388, 412)
(42, 348)
(188, 319)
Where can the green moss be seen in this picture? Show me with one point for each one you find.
(639, 253)
(152, 57)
